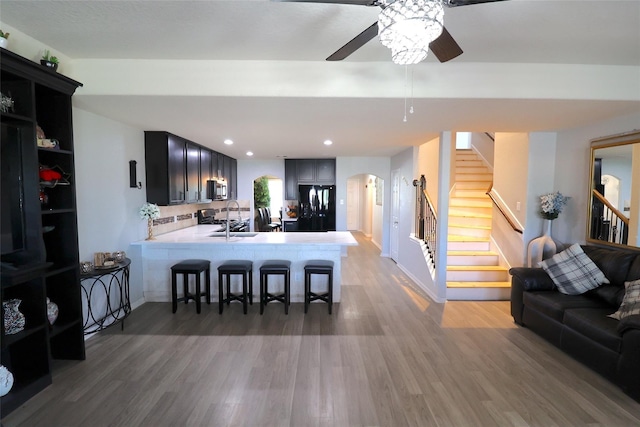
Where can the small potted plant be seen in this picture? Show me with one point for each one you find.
(49, 61)
(3, 39)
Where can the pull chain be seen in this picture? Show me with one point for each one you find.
(406, 71)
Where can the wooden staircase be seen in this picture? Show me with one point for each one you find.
(473, 270)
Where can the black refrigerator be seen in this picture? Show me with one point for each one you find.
(316, 208)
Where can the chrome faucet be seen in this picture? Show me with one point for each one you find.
(229, 202)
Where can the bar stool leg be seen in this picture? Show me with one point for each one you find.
(220, 293)
(263, 291)
(330, 299)
(207, 281)
(250, 273)
(287, 292)
(174, 292)
(307, 289)
(244, 293)
(198, 292)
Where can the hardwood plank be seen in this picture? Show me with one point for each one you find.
(387, 356)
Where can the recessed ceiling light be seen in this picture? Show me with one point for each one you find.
(228, 142)
(328, 142)
(249, 153)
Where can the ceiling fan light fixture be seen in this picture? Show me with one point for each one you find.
(408, 26)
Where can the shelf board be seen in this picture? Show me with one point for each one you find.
(54, 150)
(58, 211)
(60, 327)
(16, 119)
(8, 340)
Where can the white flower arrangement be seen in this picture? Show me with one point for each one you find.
(149, 211)
(551, 204)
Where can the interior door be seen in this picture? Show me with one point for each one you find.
(395, 211)
(353, 204)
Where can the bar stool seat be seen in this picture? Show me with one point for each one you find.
(235, 267)
(318, 267)
(187, 267)
(275, 267)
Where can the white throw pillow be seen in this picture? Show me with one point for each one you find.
(631, 301)
(573, 272)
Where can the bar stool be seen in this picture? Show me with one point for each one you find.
(187, 267)
(229, 268)
(318, 267)
(275, 267)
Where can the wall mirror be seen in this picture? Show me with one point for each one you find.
(614, 195)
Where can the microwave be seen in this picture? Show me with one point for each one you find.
(216, 189)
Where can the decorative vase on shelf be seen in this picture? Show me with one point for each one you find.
(52, 311)
(543, 247)
(150, 229)
(14, 321)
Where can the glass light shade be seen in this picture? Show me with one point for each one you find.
(408, 26)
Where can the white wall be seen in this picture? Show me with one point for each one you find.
(429, 166)
(251, 169)
(510, 174)
(377, 215)
(108, 218)
(484, 146)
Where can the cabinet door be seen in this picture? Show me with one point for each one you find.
(326, 171)
(233, 180)
(227, 168)
(306, 170)
(290, 180)
(193, 173)
(177, 176)
(205, 171)
(215, 168)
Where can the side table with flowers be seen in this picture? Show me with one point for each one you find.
(545, 246)
(150, 211)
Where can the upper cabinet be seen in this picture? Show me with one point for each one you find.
(177, 170)
(307, 171)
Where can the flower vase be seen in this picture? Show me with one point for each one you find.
(150, 229)
(543, 247)
(52, 311)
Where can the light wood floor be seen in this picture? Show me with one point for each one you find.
(388, 356)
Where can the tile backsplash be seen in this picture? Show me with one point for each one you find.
(174, 218)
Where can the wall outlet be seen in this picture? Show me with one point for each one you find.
(518, 206)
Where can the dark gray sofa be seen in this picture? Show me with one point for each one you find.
(578, 324)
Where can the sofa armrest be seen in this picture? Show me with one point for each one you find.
(526, 279)
(532, 279)
(628, 323)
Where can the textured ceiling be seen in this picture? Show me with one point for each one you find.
(515, 31)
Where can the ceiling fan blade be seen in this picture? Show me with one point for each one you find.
(456, 3)
(445, 48)
(356, 43)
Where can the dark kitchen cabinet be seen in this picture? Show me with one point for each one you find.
(205, 172)
(307, 171)
(193, 173)
(232, 179)
(177, 170)
(43, 260)
(165, 164)
(290, 179)
(326, 171)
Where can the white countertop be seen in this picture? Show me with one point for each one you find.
(200, 234)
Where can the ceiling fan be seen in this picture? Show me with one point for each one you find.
(444, 47)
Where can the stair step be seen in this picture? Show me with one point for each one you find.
(469, 162)
(486, 177)
(479, 292)
(477, 273)
(469, 258)
(471, 169)
(474, 185)
(469, 193)
(474, 231)
(471, 202)
(470, 210)
(482, 220)
(468, 243)
(502, 284)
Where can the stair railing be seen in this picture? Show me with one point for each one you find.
(426, 218)
(608, 223)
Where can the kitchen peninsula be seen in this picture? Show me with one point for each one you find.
(208, 242)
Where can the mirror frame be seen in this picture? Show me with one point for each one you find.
(627, 138)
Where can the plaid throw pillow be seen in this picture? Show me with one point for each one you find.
(573, 272)
(631, 301)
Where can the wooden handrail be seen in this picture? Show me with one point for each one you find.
(616, 212)
(433, 211)
(504, 214)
